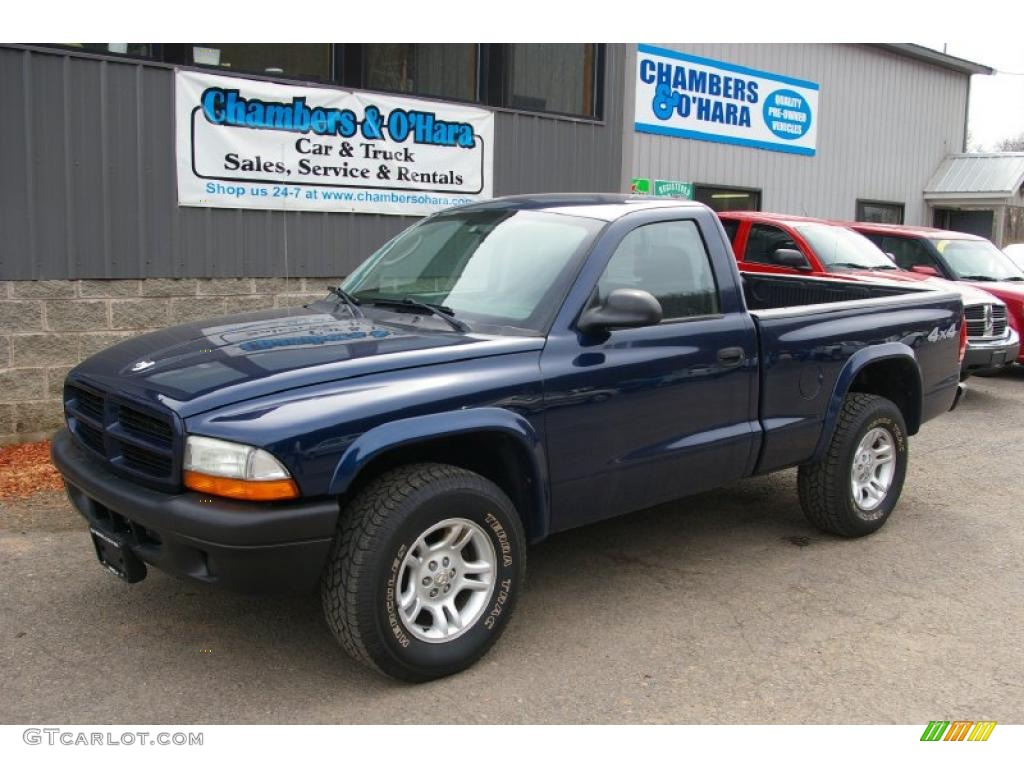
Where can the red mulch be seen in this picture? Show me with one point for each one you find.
(26, 469)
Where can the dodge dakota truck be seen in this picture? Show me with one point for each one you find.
(493, 375)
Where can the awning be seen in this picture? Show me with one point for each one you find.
(977, 176)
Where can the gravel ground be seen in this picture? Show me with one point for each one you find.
(724, 608)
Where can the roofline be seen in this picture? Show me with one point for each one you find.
(939, 59)
(996, 196)
(985, 154)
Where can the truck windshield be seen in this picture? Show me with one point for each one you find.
(977, 260)
(839, 248)
(502, 268)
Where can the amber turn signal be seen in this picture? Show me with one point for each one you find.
(248, 490)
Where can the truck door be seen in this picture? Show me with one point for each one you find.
(639, 416)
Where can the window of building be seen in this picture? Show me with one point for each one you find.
(763, 241)
(119, 49)
(428, 69)
(669, 261)
(549, 77)
(563, 79)
(728, 198)
(294, 60)
(879, 213)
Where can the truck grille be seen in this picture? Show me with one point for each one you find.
(90, 404)
(146, 462)
(998, 320)
(93, 438)
(985, 321)
(133, 440)
(146, 426)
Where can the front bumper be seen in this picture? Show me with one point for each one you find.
(986, 355)
(245, 546)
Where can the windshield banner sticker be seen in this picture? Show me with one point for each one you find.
(255, 144)
(692, 97)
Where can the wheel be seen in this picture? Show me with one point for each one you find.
(424, 572)
(858, 481)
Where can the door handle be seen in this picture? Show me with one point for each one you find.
(730, 357)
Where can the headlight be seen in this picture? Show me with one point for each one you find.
(234, 470)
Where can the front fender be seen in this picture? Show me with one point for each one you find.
(858, 362)
(405, 432)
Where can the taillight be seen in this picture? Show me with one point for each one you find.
(963, 339)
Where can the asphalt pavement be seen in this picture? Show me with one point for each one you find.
(723, 608)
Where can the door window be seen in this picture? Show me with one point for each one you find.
(762, 243)
(909, 253)
(669, 261)
(731, 227)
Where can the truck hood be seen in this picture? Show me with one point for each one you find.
(1009, 291)
(194, 368)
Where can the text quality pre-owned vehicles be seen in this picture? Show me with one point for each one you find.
(495, 374)
(970, 260)
(780, 244)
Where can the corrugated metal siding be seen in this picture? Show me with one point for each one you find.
(88, 186)
(1001, 174)
(886, 123)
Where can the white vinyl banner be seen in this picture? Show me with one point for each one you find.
(255, 144)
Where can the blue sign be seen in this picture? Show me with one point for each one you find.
(693, 97)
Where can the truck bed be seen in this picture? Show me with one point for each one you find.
(785, 291)
(808, 329)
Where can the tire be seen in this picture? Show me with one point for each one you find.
(827, 489)
(381, 555)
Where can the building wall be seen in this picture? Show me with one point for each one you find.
(47, 326)
(88, 187)
(886, 122)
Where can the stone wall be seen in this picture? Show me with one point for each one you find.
(48, 326)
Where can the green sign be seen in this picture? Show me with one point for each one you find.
(683, 189)
(640, 186)
(660, 188)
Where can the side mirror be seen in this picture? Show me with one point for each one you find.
(623, 308)
(790, 257)
(923, 269)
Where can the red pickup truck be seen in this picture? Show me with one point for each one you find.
(968, 259)
(777, 243)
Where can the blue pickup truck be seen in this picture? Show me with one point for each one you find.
(495, 374)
